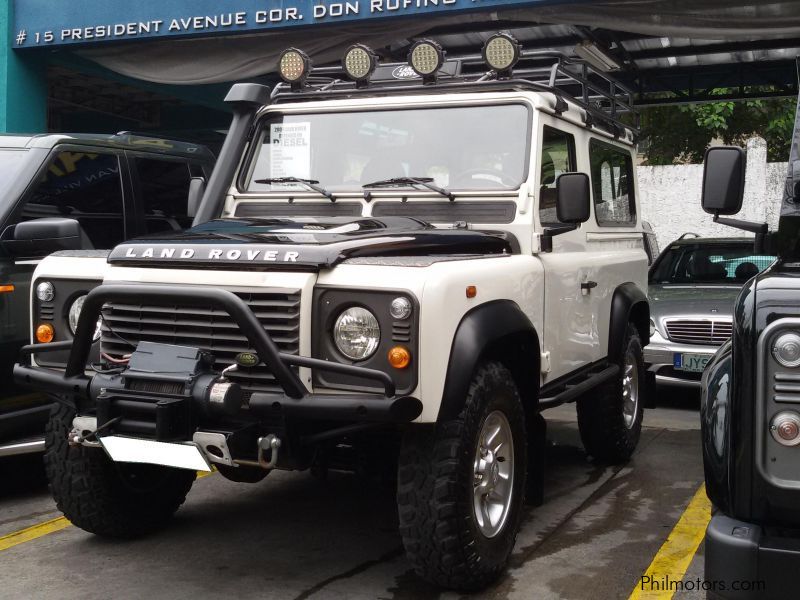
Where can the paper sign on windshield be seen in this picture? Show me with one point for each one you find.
(290, 150)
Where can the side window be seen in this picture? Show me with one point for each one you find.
(86, 187)
(612, 184)
(558, 156)
(164, 188)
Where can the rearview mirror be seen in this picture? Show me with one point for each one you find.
(723, 180)
(573, 198)
(40, 237)
(197, 187)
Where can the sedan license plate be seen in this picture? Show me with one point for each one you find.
(692, 363)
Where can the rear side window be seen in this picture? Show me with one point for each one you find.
(612, 184)
(164, 190)
(86, 187)
(558, 156)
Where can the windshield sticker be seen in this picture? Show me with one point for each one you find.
(290, 151)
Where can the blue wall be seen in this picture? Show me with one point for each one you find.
(23, 82)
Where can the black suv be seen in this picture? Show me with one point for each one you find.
(116, 187)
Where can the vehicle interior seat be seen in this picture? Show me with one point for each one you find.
(746, 271)
(702, 269)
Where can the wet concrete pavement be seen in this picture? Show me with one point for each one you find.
(293, 536)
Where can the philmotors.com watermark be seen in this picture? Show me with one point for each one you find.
(650, 583)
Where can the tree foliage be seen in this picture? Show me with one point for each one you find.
(680, 134)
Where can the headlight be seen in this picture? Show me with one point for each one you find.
(45, 291)
(786, 350)
(357, 333)
(75, 314)
(652, 328)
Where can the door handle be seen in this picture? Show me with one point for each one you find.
(587, 287)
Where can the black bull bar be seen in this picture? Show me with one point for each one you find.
(294, 401)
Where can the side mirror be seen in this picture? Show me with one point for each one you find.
(197, 187)
(573, 198)
(40, 237)
(723, 180)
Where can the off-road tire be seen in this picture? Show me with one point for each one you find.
(435, 488)
(107, 498)
(601, 420)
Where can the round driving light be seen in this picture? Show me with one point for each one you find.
(785, 428)
(356, 333)
(426, 57)
(501, 52)
(75, 314)
(45, 333)
(399, 357)
(45, 291)
(786, 350)
(400, 308)
(359, 62)
(294, 65)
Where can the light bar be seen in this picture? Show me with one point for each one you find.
(597, 57)
(294, 66)
(359, 62)
(426, 57)
(501, 52)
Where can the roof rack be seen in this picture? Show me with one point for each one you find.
(608, 104)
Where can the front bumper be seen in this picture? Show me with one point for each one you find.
(295, 401)
(743, 561)
(659, 356)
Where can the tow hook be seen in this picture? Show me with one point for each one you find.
(272, 443)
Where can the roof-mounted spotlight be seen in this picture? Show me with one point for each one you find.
(426, 57)
(359, 63)
(501, 52)
(294, 66)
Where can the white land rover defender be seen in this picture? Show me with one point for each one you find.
(413, 258)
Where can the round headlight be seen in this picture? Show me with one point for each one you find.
(45, 291)
(426, 57)
(786, 350)
(652, 328)
(501, 52)
(75, 314)
(359, 62)
(294, 65)
(357, 333)
(400, 308)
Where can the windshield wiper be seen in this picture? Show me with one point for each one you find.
(398, 181)
(309, 183)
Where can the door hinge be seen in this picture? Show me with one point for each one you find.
(545, 360)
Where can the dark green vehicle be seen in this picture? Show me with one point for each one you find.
(102, 188)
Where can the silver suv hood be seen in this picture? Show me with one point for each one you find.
(684, 300)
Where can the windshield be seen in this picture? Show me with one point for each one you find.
(471, 147)
(731, 264)
(10, 163)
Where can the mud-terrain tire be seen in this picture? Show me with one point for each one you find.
(610, 417)
(107, 498)
(440, 525)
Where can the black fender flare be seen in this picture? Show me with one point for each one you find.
(491, 329)
(628, 305)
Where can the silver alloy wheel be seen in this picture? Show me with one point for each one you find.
(630, 390)
(493, 482)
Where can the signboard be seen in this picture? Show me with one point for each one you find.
(43, 23)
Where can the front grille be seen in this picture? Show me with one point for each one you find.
(209, 329)
(699, 331)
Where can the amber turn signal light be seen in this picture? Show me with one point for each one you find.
(472, 291)
(45, 333)
(399, 357)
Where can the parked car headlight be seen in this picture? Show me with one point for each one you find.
(75, 314)
(786, 350)
(652, 328)
(356, 333)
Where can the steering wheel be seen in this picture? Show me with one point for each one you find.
(469, 176)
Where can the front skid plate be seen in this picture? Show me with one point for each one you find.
(184, 455)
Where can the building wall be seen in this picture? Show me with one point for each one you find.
(671, 196)
(23, 82)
